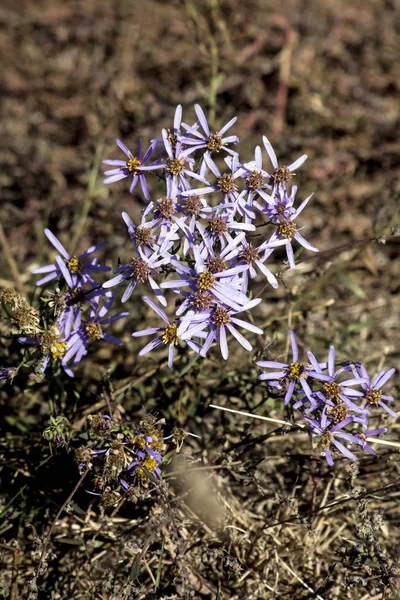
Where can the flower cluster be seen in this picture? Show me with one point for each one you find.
(73, 316)
(122, 460)
(336, 403)
(200, 232)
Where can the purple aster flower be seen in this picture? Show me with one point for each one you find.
(333, 392)
(201, 279)
(279, 205)
(176, 167)
(170, 334)
(372, 390)
(220, 320)
(288, 375)
(73, 301)
(52, 345)
(369, 433)
(329, 435)
(225, 184)
(281, 176)
(92, 330)
(75, 271)
(175, 134)
(134, 166)
(253, 257)
(286, 232)
(192, 208)
(220, 228)
(211, 142)
(139, 269)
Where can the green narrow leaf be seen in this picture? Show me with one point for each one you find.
(158, 576)
(135, 568)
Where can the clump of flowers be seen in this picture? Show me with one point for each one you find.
(337, 403)
(68, 319)
(196, 249)
(200, 232)
(123, 460)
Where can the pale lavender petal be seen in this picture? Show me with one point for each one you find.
(56, 243)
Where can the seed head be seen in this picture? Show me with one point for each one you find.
(143, 235)
(254, 181)
(166, 207)
(249, 255)
(282, 175)
(221, 316)
(201, 300)
(140, 269)
(226, 184)
(217, 225)
(216, 264)
(193, 205)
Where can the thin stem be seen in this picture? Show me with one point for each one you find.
(299, 425)
(47, 538)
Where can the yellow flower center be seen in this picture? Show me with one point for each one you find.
(339, 412)
(58, 350)
(214, 142)
(170, 335)
(132, 164)
(94, 331)
(374, 396)
(175, 165)
(74, 265)
(326, 440)
(205, 281)
(287, 229)
(282, 175)
(296, 370)
(332, 390)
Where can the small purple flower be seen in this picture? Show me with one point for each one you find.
(211, 142)
(134, 166)
(281, 176)
(139, 269)
(176, 167)
(201, 279)
(286, 232)
(170, 334)
(369, 433)
(220, 320)
(253, 257)
(333, 391)
(372, 390)
(225, 184)
(92, 330)
(75, 271)
(328, 435)
(288, 375)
